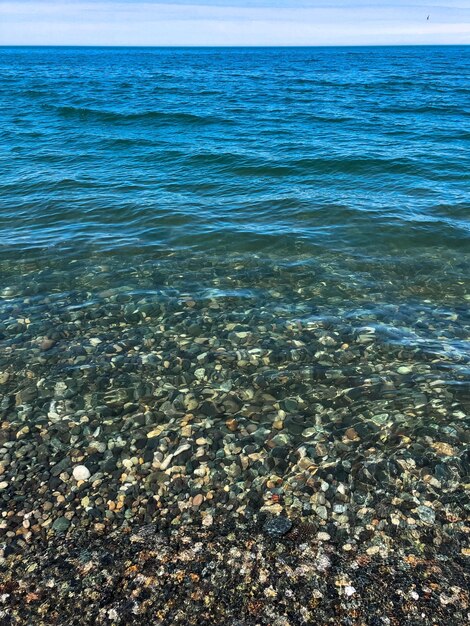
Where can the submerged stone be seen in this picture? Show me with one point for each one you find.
(61, 524)
(278, 526)
(426, 514)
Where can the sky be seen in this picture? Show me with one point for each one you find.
(234, 22)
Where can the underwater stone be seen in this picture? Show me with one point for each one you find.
(276, 527)
(80, 472)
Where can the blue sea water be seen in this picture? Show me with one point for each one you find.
(289, 151)
(345, 169)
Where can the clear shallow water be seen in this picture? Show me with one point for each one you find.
(248, 227)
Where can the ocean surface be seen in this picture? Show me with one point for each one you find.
(273, 242)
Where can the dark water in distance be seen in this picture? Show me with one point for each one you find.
(233, 280)
(290, 151)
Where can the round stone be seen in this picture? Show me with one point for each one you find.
(47, 344)
(198, 499)
(80, 472)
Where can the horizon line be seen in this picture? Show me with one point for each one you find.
(373, 45)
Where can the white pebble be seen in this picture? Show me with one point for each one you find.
(208, 520)
(349, 590)
(80, 472)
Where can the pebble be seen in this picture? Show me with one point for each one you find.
(226, 408)
(81, 472)
(322, 512)
(278, 526)
(61, 524)
(47, 344)
(351, 434)
(444, 449)
(166, 462)
(198, 500)
(426, 514)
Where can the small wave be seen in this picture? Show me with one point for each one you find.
(329, 119)
(169, 117)
(358, 165)
(34, 93)
(247, 165)
(459, 211)
(127, 142)
(431, 109)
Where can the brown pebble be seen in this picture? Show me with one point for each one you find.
(444, 449)
(198, 499)
(47, 344)
(351, 434)
(231, 424)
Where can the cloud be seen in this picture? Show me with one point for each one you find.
(232, 22)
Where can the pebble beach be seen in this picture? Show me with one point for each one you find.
(270, 430)
(151, 432)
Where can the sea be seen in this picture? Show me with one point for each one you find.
(233, 282)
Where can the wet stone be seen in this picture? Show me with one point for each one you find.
(276, 527)
(426, 514)
(26, 395)
(47, 344)
(59, 467)
(81, 472)
(61, 524)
